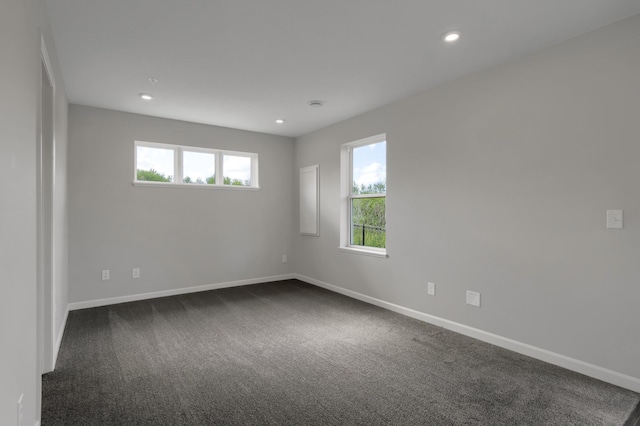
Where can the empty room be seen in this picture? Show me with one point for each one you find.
(320, 213)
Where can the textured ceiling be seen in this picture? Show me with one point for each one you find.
(245, 63)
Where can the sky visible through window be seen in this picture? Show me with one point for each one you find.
(158, 159)
(198, 166)
(197, 163)
(237, 167)
(370, 164)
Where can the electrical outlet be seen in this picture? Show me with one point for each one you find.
(20, 409)
(431, 289)
(473, 298)
(284, 258)
(106, 275)
(135, 273)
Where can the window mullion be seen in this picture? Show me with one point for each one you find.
(374, 195)
(177, 164)
(254, 171)
(219, 176)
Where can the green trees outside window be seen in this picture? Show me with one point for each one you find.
(368, 216)
(155, 176)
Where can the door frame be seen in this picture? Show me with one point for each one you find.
(45, 235)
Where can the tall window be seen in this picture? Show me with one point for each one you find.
(178, 165)
(364, 181)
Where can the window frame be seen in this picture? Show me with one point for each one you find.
(178, 166)
(347, 196)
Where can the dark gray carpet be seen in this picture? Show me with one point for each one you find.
(634, 418)
(288, 353)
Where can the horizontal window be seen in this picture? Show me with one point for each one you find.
(188, 166)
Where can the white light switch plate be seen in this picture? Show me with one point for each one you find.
(473, 298)
(615, 219)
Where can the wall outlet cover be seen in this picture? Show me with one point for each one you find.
(431, 289)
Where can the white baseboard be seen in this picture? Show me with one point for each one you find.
(591, 370)
(173, 292)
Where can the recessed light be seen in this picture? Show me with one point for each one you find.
(146, 96)
(280, 121)
(451, 36)
(316, 103)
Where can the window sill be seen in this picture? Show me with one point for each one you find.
(195, 186)
(362, 251)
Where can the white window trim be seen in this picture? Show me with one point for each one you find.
(346, 184)
(178, 167)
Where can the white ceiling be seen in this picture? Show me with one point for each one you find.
(245, 63)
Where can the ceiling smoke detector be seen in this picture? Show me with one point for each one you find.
(316, 103)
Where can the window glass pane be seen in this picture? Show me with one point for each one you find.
(370, 168)
(237, 170)
(154, 164)
(198, 168)
(368, 222)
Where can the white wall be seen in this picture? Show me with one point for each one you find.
(179, 237)
(498, 183)
(20, 24)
